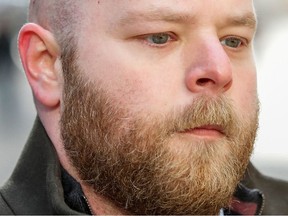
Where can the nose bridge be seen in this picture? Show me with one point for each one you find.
(210, 67)
(214, 56)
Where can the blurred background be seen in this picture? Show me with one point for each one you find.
(17, 111)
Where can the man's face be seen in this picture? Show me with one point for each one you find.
(160, 105)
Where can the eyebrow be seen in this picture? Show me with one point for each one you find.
(168, 15)
(247, 19)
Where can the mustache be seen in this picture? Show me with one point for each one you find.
(205, 111)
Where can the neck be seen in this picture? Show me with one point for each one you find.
(100, 205)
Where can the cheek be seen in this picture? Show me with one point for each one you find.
(142, 89)
(131, 81)
(245, 90)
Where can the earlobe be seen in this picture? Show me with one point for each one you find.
(40, 55)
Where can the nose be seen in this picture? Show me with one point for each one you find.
(210, 69)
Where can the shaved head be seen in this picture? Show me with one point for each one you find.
(58, 16)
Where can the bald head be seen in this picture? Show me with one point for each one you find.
(61, 17)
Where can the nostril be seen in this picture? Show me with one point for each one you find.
(204, 81)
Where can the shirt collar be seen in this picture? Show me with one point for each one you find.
(246, 202)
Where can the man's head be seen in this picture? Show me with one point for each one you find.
(150, 104)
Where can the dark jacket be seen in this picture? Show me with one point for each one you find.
(37, 187)
(275, 191)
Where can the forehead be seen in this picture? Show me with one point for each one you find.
(135, 10)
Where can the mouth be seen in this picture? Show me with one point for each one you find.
(209, 131)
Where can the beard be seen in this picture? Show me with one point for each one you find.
(142, 162)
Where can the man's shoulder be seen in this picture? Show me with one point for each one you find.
(4, 206)
(275, 190)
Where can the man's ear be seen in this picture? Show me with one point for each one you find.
(40, 54)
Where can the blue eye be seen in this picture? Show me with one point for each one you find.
(159, 38)
(232, 42)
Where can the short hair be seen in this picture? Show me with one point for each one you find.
(61, 17)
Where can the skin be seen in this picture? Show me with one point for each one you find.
(115, 47)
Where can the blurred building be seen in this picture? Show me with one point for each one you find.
(271, 152)
(16, 105)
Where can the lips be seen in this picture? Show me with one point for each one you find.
(206, 130)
